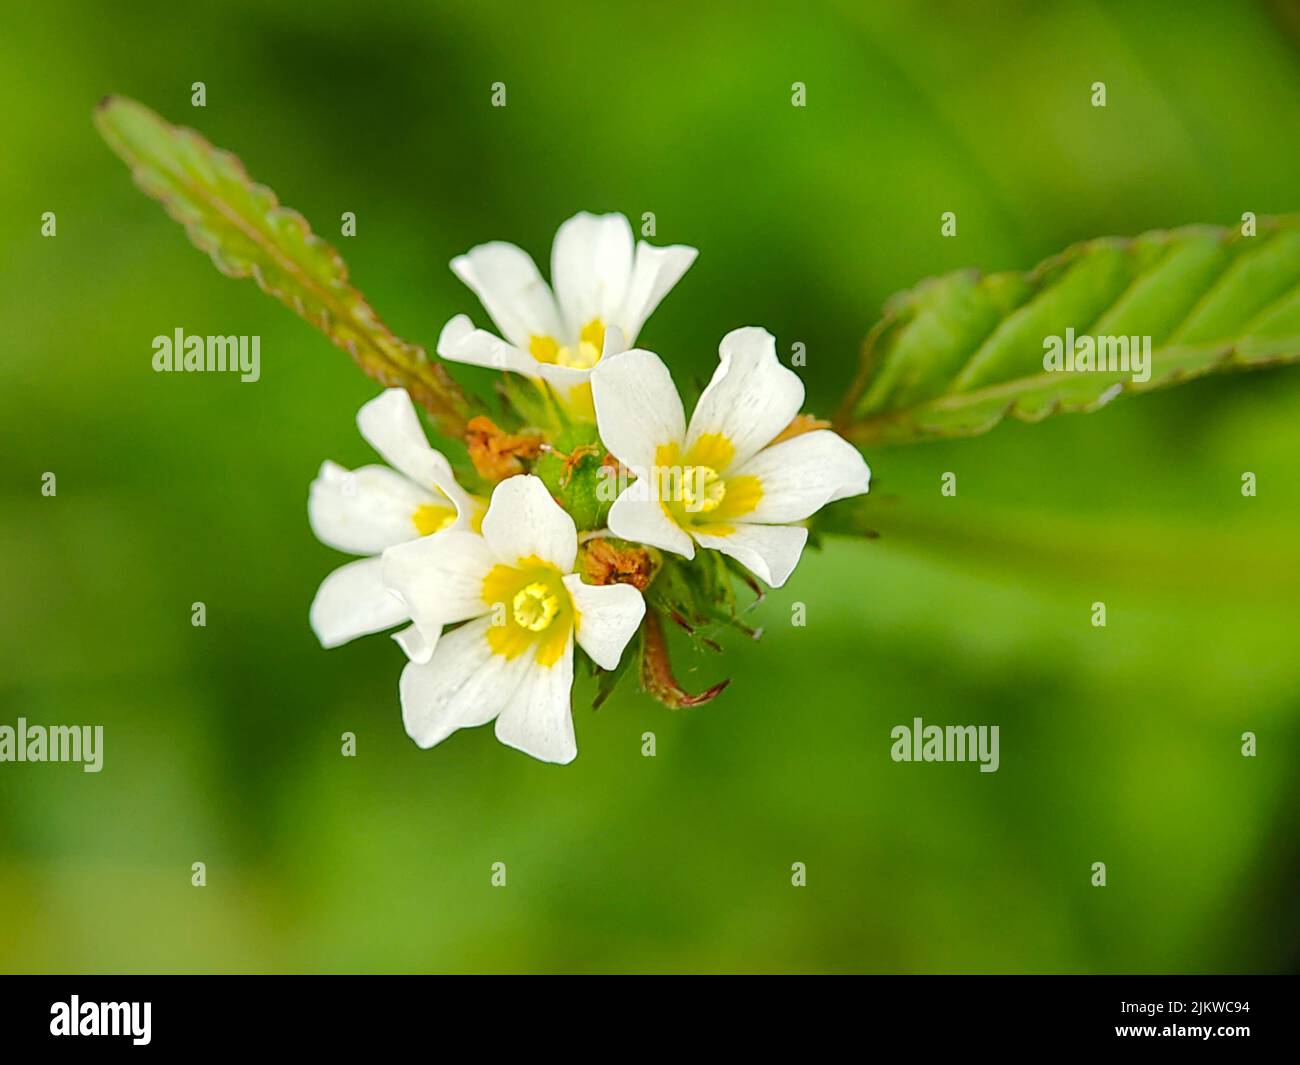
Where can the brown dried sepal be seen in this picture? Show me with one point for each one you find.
(606, 561)
(497, 454)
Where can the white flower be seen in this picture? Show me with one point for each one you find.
(604, 292)
(523, 607)
(367, 510)
(721, 483)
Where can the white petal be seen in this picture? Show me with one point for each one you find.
(523, 520)
(467, 506)
(352, 601)
(440, 579)
(391, 426)
(591, 265)
(801, 475)
(639, 516)
(654, 273)
(638, 409)
(608, 616)
(770, 552)
(364, 511)
(751, 398)
(464, 685)
(507, 281)
(412, 640)
(564, 379)
(538, 719)
(461, 342)
(615, 341)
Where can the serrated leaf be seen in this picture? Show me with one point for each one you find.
(958, 353)
(246, 231)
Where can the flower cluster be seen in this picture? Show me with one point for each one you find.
(495, 588)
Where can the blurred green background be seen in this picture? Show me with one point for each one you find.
(222, 743)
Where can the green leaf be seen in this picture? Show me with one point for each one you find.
(242, 226)
(958, 353)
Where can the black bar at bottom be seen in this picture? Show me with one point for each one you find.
(338, 1013)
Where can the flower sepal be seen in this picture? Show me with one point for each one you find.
(609, 560)
(699, 596)
(497, 454)
(571, 468)
(657, 677)
(532, 403)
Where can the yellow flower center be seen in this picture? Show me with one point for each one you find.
(535, 606)
(702, 489)
(582, 355)
(432, 518)
(697, 490)
(530, 609)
